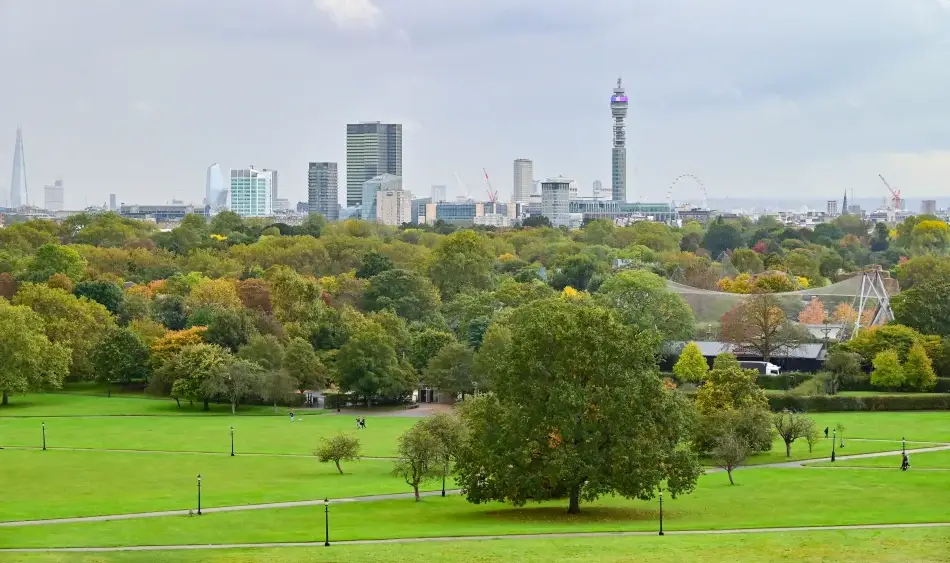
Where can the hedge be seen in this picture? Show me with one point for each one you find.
(783, 381)
(863, 383)
(837, 403)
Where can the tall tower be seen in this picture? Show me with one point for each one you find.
(523, 183)
(618, 108)
(322, 189)
(372, 149)
(19, 195)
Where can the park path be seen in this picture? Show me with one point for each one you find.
(396, 496)
(570, 535)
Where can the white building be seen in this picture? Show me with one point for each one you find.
(393, 207)
(53, 196)
(439, 193)
(523, 180)
(251, 193)
(492, 220)
(556, 201)
(384, 182)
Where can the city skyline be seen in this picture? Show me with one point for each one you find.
(744, 96)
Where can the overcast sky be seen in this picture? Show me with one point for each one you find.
(806, 97)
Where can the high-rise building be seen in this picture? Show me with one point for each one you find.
(928, 207)
(251, 192)
(53, 196)
(273, 177)
(845, 209)
(372, 149)
(523, 180)
(618, 108)
(384, 182)
(113, 206)
(19, 194)
(216, 193)
(440, 193)
(832, 207)
(598, 189)
(323, 184)
(556, 201)
(393, 207)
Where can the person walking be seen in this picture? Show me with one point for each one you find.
(905, 462)
(826, 432)
(291, 415)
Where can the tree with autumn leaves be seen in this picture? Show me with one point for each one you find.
(759, 324)
(594, 418)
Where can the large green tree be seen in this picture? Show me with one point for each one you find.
(120, 356)
(369, 366)
(451, 370)
(54, 259)
(592, 418)
(462, 261)
(190, 369)
(925, 307)
(411, 295)
(30, 362)
(107, 293)
(642, 300)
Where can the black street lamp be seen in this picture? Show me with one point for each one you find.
(326, 521)
(232, 441)
(903, 446)
(834, 440)
(44, 436)
(445, 469)
(661, 511)
(199, 494)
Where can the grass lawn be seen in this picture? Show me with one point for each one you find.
(61, 484)
(821, 449)
(877, 546)
(920, 426)
(927, 460)
(63, 404)
(761, 498)
(253, 434)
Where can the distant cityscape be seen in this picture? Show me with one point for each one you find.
(375, 192)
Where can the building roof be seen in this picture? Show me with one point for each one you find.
(712, 348)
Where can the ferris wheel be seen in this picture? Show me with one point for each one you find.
(695, 180)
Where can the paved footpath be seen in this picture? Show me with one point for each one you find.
(475, 538)
(373, 498)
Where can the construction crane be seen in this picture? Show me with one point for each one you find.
(492, 194)
(462, 186)
(896, 200)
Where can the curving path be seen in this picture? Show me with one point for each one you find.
(476, 538)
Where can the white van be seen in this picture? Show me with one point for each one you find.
(765, 368)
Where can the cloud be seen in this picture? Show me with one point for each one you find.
(351, 14)
(143, 107)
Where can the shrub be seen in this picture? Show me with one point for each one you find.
(782, 382)
(888, 373)
(918, 369)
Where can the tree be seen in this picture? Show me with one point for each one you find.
(813, 313)
(170, 311)
(930, 237)
(230, 329)
(791, 426)
(373, 264)
(168, 345)
(918, 369)
(921, 269)
(451, 370)
(341, 447)
(426, 344)
(264, 350)
(189, 369)
(235, 379)
(461, 262)
(8, 286)
(30, 361)
(105, 292)
(220, 293)
(449, 432)
(731, 450)
(842, 366)
(721, 237)
(302, 364)
(409, 294)
(887, 372)
(642, 300)
(54, 259)
(747, 261)
(536, 221)
(421, 457)
(254, 294)
(759, 324)
(312, 225)
(78, 324)
(61, 281)
(925, 307)
(580, 271)
(592, 418)
(120, 356)
(869, 342)
(367, 364)
(691, 365)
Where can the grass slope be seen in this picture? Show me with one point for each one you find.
(884, 546)
(762, 498)
(927, 460)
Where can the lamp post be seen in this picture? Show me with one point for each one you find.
(232, 441)
(661, 511)
(199, 494)
(44, 436)
(903, 446)
(326, 521)
(834, 440)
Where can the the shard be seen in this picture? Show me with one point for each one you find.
(18, 193)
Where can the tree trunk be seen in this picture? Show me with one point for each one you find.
(729, 472)
(575, 506)
(109, 390)
(178, 402)
(369, 402)
(337, 462)
(6, 399)
(275, 405)
(233, 407)
(415, 489)
(207, 407)
(788, 449)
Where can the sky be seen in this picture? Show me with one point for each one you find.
(756, 99)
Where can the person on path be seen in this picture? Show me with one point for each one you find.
(358, 426)
(826, 432)
(905, 462)
(291, 415)
(363, 422)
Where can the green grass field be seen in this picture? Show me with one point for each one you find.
(82, 404)
(881, 546)
(761, 498)
(927, 460)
